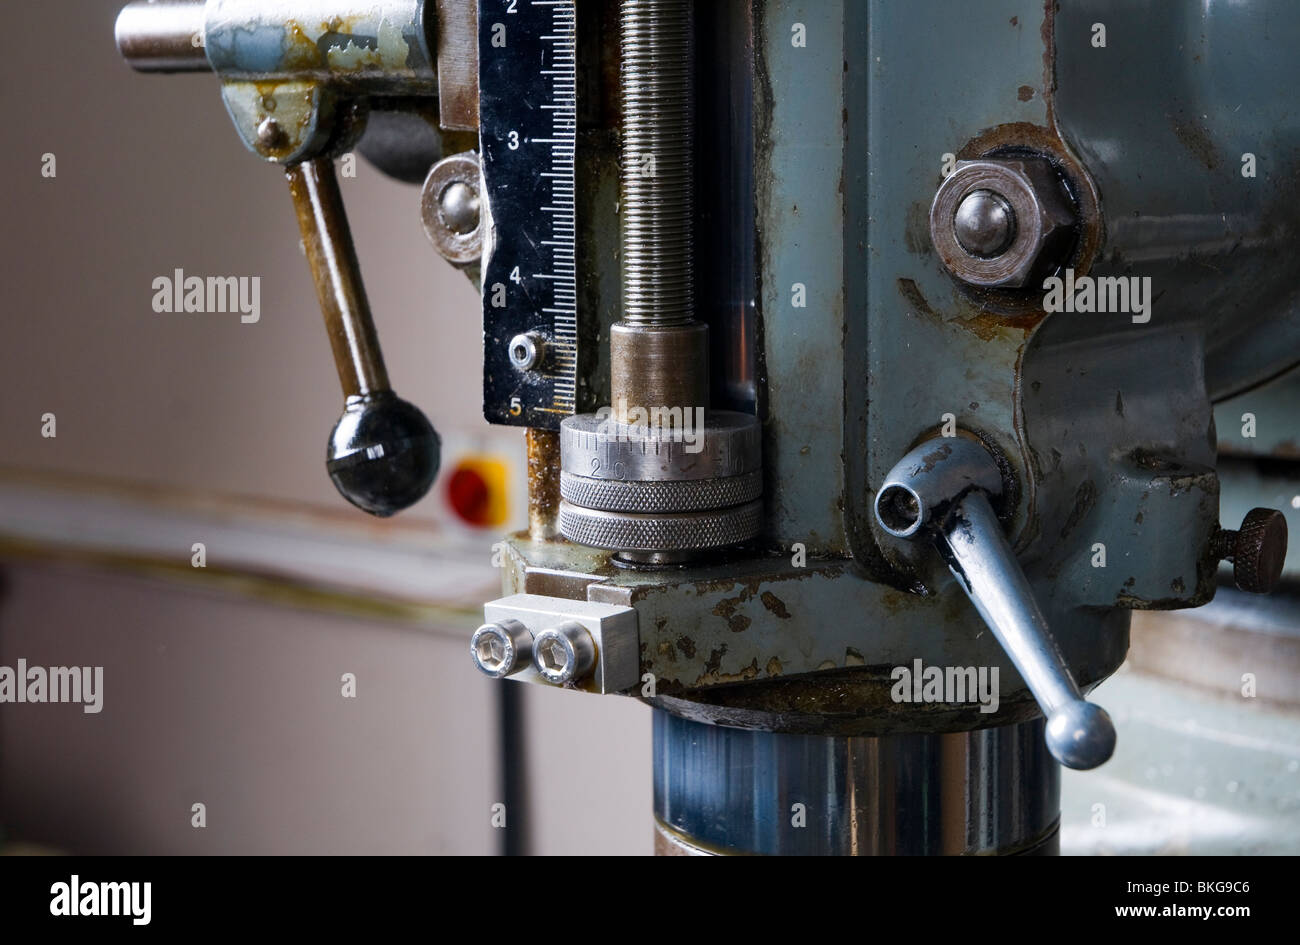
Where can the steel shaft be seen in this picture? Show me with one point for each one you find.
(657, 174)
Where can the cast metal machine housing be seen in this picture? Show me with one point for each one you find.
(841, 256)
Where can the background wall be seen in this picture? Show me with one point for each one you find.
(211, 696)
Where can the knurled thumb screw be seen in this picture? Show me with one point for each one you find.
(1257, 550)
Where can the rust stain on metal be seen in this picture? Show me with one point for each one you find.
(1025, 93)
(774, 667)
(714, 677)
(727, 606)
(853, 700)
(935, 457)
(458, 65)
(981, 322)
(749, 586)
(774, 604)
(543, 482)
(1082, 191)
(1047, 34)
(687, 646)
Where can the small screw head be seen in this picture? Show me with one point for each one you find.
(565, 653)
(984, 224)
(269, 133)
(499, 649)
(526, 351)
(458, 206)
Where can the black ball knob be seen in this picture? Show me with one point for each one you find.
(383, 453)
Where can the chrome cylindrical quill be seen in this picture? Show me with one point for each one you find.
(722, 790)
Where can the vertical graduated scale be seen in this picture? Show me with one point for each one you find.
(527, 138)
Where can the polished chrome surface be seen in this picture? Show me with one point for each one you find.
(590, 644)
(565, 653)
(527, 349)
(923, 484)
(985, 224)
(942, 490)
(499, 649)
(598, 447)
(670, 495)
(726, 790)
(162, 36)
(665, 488)
(679, 531)
(1079, 734)
(451, 210)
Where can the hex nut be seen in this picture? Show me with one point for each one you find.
(1044, 220)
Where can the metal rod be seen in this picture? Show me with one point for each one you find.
(658, 352)
(163, 36)
(1079, 733)
(658, 152)
(543, 482)
(337, 274)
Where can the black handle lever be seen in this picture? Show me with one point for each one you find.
(383, 453)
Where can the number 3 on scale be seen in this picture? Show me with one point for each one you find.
(512, 141)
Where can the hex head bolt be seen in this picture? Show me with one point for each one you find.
(1002, 222)
(941, 491)
(383, 453)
